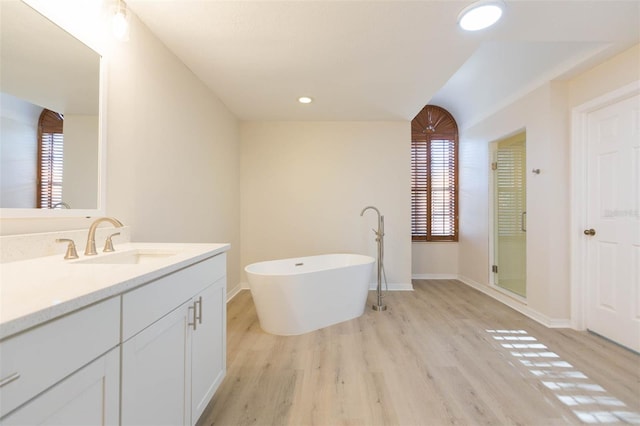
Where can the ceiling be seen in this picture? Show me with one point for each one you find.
(382, 59)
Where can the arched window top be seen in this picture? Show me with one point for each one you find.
(434, 175)
(433, 120)
(50, 121)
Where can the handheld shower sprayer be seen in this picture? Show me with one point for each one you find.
(380, 240)
(380, 231)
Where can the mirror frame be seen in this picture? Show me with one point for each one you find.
(100, 210)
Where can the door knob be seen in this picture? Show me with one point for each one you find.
(591, 232)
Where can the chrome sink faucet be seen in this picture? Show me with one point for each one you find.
(91, 238)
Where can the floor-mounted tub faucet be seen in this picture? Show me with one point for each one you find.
(380, 240)
(380, 232)
(90, 250)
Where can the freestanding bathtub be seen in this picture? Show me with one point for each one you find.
(298, 295)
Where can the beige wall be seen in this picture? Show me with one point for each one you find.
(545, 121)
(304, 185)
(434, 260)
(173, 153)
(545, 114)
(606, 77)
(18, 152)
(80, 189)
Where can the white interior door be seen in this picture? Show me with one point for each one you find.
(613, 222)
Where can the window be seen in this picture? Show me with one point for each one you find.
(434, 176)
(50, 159)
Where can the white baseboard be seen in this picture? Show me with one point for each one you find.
(434, 277)
(234, 291)
(517, 305)
(393, 286)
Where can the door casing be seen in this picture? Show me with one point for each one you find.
(579, 151)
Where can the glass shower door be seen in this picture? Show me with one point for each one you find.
(510, 215)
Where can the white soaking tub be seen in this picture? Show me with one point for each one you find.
(298, 295)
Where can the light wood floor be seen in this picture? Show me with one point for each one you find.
(443, 354)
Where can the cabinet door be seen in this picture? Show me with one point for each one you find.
(87, 397)
(154, 372)
(208, 347)
(46, 354)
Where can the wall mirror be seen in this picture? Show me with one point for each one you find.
(43, 67)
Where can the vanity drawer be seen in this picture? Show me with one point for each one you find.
(42, 356)
(145, 305)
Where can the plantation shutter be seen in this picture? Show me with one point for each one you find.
(50, 159)
(442, 170)
(434, 174)
(419, 189)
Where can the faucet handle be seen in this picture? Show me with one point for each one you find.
(108, 245)
(71, 248)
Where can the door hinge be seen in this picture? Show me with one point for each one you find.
(494, 269)
(494, 165)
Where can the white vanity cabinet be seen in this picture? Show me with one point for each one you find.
(65, 371)
(87, 397)
(154, 373)
(108, 342)
(208, 347)
(174, 345)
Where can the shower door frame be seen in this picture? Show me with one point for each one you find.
(493, 231)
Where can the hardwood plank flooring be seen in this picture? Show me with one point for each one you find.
(444, 354)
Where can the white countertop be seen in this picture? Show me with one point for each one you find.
(38, 290)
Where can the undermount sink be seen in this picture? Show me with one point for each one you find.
(135, 256)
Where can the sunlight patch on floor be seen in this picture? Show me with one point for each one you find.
(588, 401)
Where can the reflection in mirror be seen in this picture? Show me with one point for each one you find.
(42, 67)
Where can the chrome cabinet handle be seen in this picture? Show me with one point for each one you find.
(198, 303)
(195, 312)
(193, 315)
(10, 378)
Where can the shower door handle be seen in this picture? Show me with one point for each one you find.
(523, 222)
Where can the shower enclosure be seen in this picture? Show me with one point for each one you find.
(510, 214)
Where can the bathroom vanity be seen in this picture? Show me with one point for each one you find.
(133, 337)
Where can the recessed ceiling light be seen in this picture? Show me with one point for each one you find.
(480, 15)
(305, 100)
